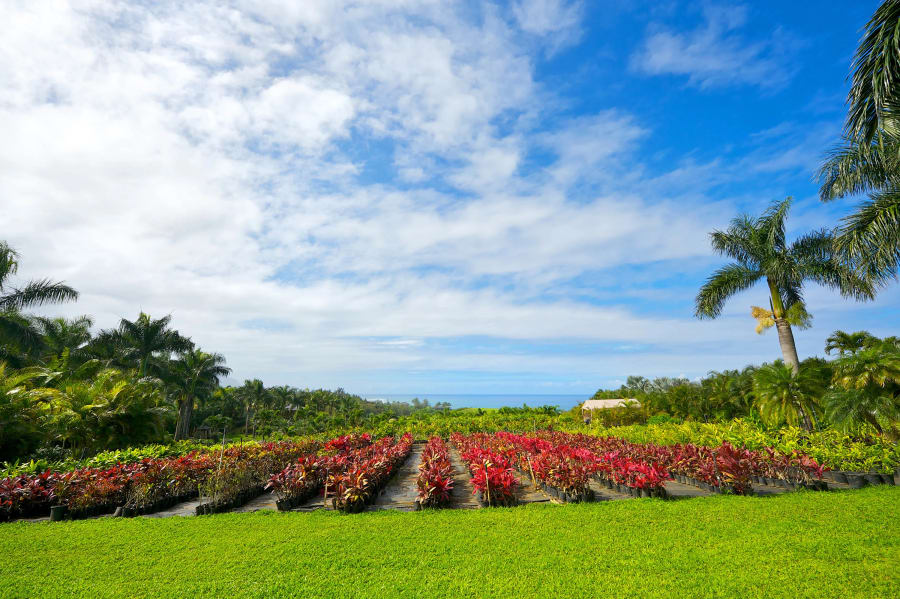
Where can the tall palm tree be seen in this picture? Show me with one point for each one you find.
(846, 343)
(868, 161)
(253, 394)
(16, 331)
(141, 340)
(760, 251)
(195, 375)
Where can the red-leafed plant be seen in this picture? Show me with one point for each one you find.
(435, 481)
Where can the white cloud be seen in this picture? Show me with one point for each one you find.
(558, 22)
(715, 54)
(324, 191)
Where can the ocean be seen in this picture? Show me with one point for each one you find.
(564, 402)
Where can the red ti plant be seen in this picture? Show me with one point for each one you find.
(435, 481)
(492, 474)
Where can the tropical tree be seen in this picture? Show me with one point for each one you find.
(17, 335)
(866, 388)
(111, 409)
(194, 375)
(61, 334)
(254, 395)
(138, 342)
(868, 160)
(22, 393)
(760, 251)
(784, 395)
(846, 343)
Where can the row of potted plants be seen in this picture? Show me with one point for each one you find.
(563, 472)
(301, 480)
(435, 481)
(242, 473)
(564, 465)
(357, 476)
(724, 468)
(145, 486)
(494, 481)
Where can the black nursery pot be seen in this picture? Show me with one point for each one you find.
(873, 478)
(57, 513)
(856, 480)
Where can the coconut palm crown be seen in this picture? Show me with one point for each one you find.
(759, 248)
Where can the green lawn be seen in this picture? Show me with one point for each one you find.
(797, 545)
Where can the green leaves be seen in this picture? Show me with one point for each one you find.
(876, 73)
(783, 397)
(724, 283)
(868, 241)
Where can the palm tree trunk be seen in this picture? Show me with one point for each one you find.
(180, 432)
(785, 334)
(788, 347)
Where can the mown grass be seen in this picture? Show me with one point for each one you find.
(797, 545)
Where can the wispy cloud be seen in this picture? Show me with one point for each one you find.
(715, 54)
(326, 191)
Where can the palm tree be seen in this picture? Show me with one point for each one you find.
(787, 396)
(866, 388)
(143, 339)
(195, 374)
(760, 251)
(846, 343)
(61, 334)
(868, 161)
(16, 331)
(253, 394)
(22, 393)
(111, 409)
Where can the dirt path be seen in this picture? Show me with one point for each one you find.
(185, 508)
(528, 492)
(601, 493)
(400, 493)
(463, 495)
(677, 490)
(266, 501)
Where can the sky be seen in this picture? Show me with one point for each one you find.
(414, 197)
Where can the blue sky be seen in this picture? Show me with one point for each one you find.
(423, 197)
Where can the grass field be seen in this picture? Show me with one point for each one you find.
(844, 544)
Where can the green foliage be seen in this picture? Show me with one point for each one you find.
(785, 397)
(868, 160)
(18, 335)
(833, 448)
(866, 388)
(696, 548)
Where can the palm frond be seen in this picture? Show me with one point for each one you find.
(17, 331)
(771, 223)
(870, 237)
(876, 73)
(724, 283)
(9, 262)
(737, 241)
(854, 168)
(36, 293)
